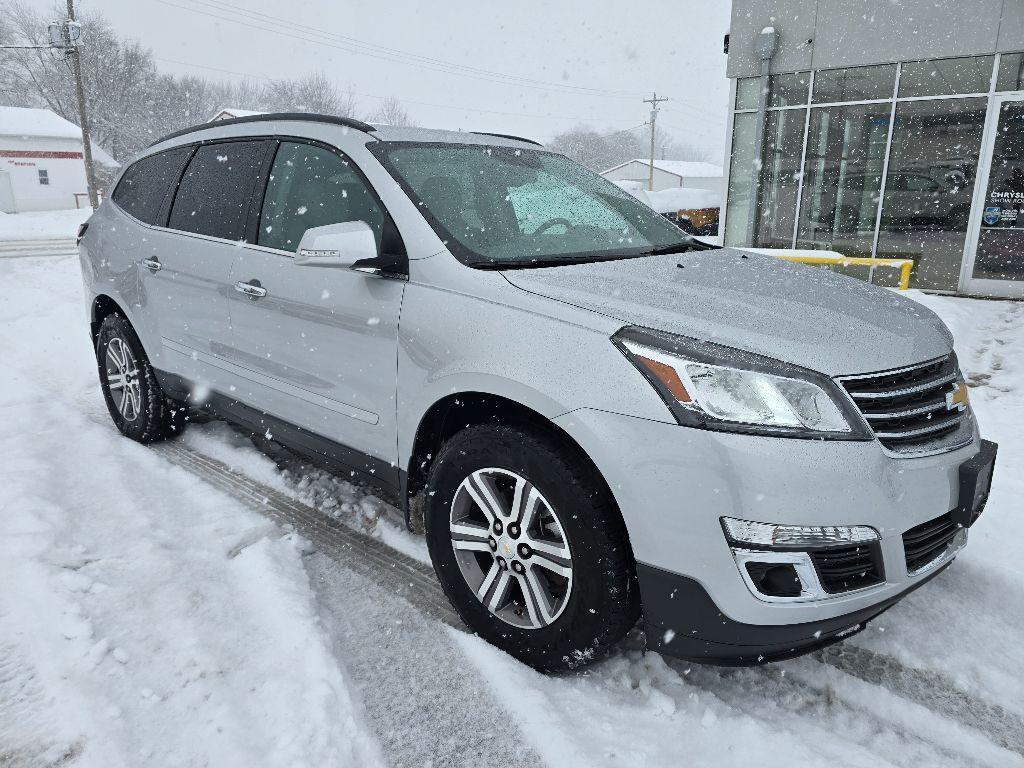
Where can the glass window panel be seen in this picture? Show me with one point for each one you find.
(789, 89)
(842, 176)
(854, 84)
(310, 187)
(1011, 72)
(932, 167)
(214, 195)
(780, 178)
(943, 76)
(742, 171)
(143, 187)
(1001, 242)
(747, 89)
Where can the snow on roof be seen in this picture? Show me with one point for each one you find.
(226, 113)
(684, 168)
(100, 156)
(43, 123)
(19, 121)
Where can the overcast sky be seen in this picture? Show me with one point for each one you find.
(588, 62)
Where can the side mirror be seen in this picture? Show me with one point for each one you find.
(349, 244)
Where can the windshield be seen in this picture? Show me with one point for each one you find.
(503, 207)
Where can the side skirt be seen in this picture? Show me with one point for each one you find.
(360, 467)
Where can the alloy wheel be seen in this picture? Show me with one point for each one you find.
(123, 379)
(511, 548)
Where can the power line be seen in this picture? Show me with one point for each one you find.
(223, 5)
(404, 100)
(285, 28)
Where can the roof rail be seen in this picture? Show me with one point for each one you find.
(348, 122)
(507, 136)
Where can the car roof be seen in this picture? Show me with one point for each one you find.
(437, 135)
(385, 133)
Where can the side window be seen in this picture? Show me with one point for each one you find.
(311, 187)
(214, 194)
(144, 185)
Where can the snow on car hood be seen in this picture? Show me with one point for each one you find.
(803, 315)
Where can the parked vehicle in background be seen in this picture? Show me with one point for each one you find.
(591, 415)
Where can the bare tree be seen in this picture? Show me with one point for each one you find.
(600, 151)
(391, 112)
(313, 93)
(130, 101)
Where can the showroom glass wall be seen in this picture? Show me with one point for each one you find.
(868, 161)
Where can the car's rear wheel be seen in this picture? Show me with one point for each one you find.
(530, 547)
(136, 403)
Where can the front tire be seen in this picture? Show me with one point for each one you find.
(530, 547)
(137, 404)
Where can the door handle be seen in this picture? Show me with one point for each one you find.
(252, 289)
(152, 264)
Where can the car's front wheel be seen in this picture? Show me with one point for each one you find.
(530, 547)
(137, 404)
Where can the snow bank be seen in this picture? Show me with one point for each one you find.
(683, 199)
(672, 200)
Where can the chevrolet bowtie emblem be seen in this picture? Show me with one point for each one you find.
(957, 399)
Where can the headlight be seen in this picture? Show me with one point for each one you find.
(715, 387)
(773, 536)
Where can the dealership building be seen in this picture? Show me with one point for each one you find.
(884, 129)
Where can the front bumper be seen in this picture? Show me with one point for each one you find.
(673, 484)
(681, 620)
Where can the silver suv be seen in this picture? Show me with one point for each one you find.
(592, 416)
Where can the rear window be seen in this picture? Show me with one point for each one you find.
(214, 195)
(144, 185)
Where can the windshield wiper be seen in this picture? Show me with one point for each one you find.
(689, 245)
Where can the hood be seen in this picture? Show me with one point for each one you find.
(803, 315)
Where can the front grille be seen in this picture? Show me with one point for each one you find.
(841, 569)
(907, 408)
(925, 542)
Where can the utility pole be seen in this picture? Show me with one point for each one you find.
(66, 36)
(653, 101)
(72, 33)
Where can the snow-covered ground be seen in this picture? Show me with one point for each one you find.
(148, 618)
(42, 225)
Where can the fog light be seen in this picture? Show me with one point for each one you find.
(778, 576)
(770, 535)
(774, 580)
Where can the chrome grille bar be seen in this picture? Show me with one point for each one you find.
(910, 409)
(917, 388)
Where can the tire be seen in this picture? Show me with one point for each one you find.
(579, 616)
(144, 414)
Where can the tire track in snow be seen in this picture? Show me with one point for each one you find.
(416, 583)
(429, 704)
